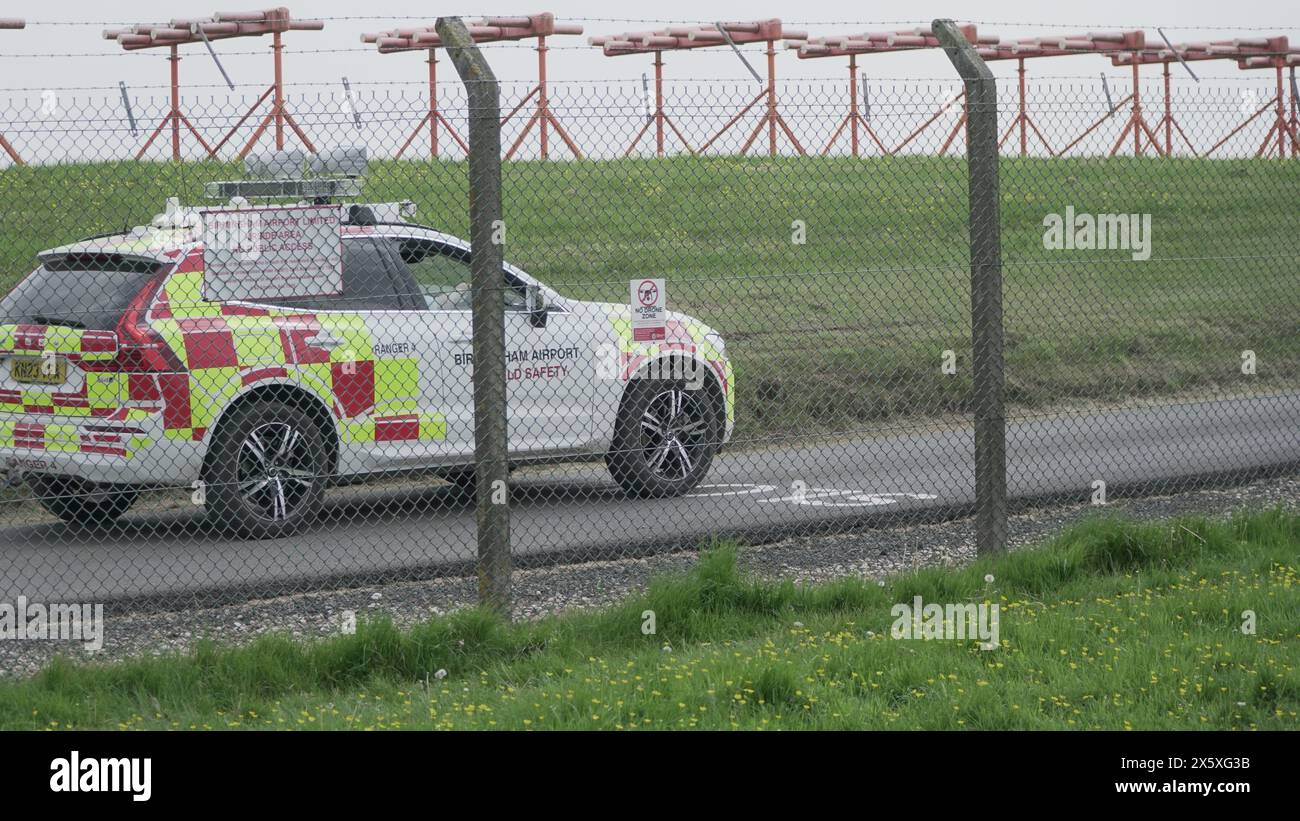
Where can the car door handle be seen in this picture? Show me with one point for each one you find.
(325, 340)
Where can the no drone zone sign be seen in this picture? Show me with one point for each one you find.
(649, 301)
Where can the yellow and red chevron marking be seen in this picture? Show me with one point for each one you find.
(228, 347)
(99, 393)
(65, 438)
(74, 343)
(98, 396)
(689, 337)
(405, 427)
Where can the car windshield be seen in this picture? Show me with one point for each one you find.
(78, 291)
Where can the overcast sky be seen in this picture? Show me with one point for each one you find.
(60, 78)
(572, 59)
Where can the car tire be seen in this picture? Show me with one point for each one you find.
(77, 501)
(665, 437)
(265, 475)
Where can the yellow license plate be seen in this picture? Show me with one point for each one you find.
(39, 370)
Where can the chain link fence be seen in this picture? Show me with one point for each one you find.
(208, 392)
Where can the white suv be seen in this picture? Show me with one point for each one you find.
(116, 374)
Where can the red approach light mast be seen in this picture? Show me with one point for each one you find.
(1104, 42)
(5, 145)
(1281, 56)
(638, 42)
(883, 42)
(732, 35)
(489, 30)
(875, 42)
(398, 41)
(169, 36)
(1250, 53)
(1063, 45)
(225, 25)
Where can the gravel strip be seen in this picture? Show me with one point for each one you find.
(543, 591)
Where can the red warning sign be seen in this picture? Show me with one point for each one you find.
(649, 309)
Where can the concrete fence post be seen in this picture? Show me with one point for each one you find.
(986, 288)
(492, 498)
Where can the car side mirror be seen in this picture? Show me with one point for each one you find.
(535, 304)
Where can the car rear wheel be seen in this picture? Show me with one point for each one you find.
(266, 474)
(77, 501)
(665, 437)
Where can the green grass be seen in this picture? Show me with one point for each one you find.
(1112, 625)
(849, 329)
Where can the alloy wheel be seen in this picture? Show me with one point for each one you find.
(674, 432)
(274, 470)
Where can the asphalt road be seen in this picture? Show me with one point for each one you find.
(572, 512)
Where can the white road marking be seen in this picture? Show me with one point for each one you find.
(835, 497)
(731, 489)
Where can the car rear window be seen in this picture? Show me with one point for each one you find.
(79, 291)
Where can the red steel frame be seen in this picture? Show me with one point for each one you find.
(818, 47)
(1242, 50)
(156, 36)
(13, 24)
(881, 42)
(1167, 121)
(492, 30)
(638, 43)
(402, 40)
(681, 38)
(1022, 119)
(1292, 62)
(768, 31)
(1280, 59)
(225, 25)
(1106, 42)
(488, 30)
(541, 26)
(1292, 126)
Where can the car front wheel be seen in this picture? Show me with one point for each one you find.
(266, 472)
(665, 438)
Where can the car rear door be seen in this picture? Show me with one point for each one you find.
(370, 348)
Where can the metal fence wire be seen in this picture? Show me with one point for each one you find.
(226, 375)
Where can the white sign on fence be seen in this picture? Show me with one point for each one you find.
(649, 301)
(272, 253)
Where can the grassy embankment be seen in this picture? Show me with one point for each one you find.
(848, 329)
(1113, 625)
